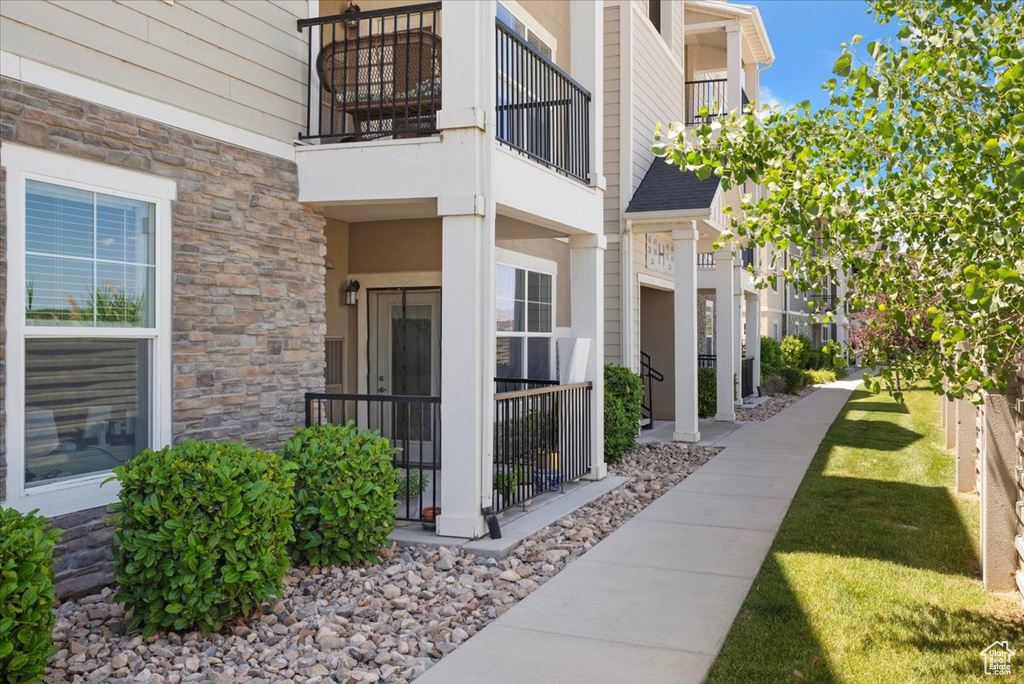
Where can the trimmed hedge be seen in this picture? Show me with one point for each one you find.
(201, 534)
(821, 376)
(345, 490)
(26, 595)
(707, 392)
(623, 393)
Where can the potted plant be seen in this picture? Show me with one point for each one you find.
(429, 517)
(412, 483)
(505, 483)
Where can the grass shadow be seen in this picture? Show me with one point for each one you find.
(880, 435)
(771, 617)
(930, 629)
(911, 525)
(880, 407)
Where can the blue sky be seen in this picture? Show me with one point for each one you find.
(805, 35)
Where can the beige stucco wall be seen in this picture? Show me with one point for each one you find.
(553, 16)
(243, 64)
(656, 329)
(395, 246)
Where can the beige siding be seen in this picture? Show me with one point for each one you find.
(553, 16)
(657, 92)
(242, 63)
(612, 120)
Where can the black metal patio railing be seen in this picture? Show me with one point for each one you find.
(413, 426)
(379, 74)
(706, 361)
(541, 441)
(541, 111)
(503, 385)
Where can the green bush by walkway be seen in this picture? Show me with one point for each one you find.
(873, 576)
(623, 392)
(345, 490)
(26, 595)
(201, 534)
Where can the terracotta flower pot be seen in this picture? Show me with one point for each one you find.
(429, 516)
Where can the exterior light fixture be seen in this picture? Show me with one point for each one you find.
(350, 292)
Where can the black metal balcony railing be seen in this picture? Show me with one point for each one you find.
(379, 73)
(541, 111)
(706, 361)
(541, 441)
(503, 385)
(413, 426)
(705, 261)
(707, 100)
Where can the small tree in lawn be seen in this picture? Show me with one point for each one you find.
(908, 186)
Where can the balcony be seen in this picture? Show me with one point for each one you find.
(378, 72)
(707, 100)
(376, 75)
(541, 112)
(822, 302)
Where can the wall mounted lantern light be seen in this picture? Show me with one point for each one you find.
(350, 292)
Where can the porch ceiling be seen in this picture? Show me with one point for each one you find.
(359, 212)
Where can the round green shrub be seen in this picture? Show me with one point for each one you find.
(201, 534)
(345, 490)
(771, 358)
(794, 351)
(26, 595)
(623, 393)
(707, 392)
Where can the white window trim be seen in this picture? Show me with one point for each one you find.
(520, 13)
(507, 257)
(26, 163)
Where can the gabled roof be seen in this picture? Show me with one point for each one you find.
(750, 20)
(666, 188)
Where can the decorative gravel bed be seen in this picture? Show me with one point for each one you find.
(382, 623)
(773, 405)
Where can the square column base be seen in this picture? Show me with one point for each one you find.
(457, 526)
(725, 417)
(690, 437)
(598, 471)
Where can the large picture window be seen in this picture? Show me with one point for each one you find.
(525, 323)
(88, 308)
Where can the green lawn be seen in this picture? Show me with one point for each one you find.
(873, 576)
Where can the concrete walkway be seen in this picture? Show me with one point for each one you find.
(654, 601)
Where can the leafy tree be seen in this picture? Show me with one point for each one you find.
(908, 184)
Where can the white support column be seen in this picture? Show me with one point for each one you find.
(467, 371)
(754, 337)
(685, 321)
(725, 356)
(587, 311)
(586, 28)
(751, 82)
(840, 315)
(467, 270)
(737, 332)
(733, 67)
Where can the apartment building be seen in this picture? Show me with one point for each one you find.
(227, 220)
(671, 301)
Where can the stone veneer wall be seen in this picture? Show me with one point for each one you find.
(248, 283)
